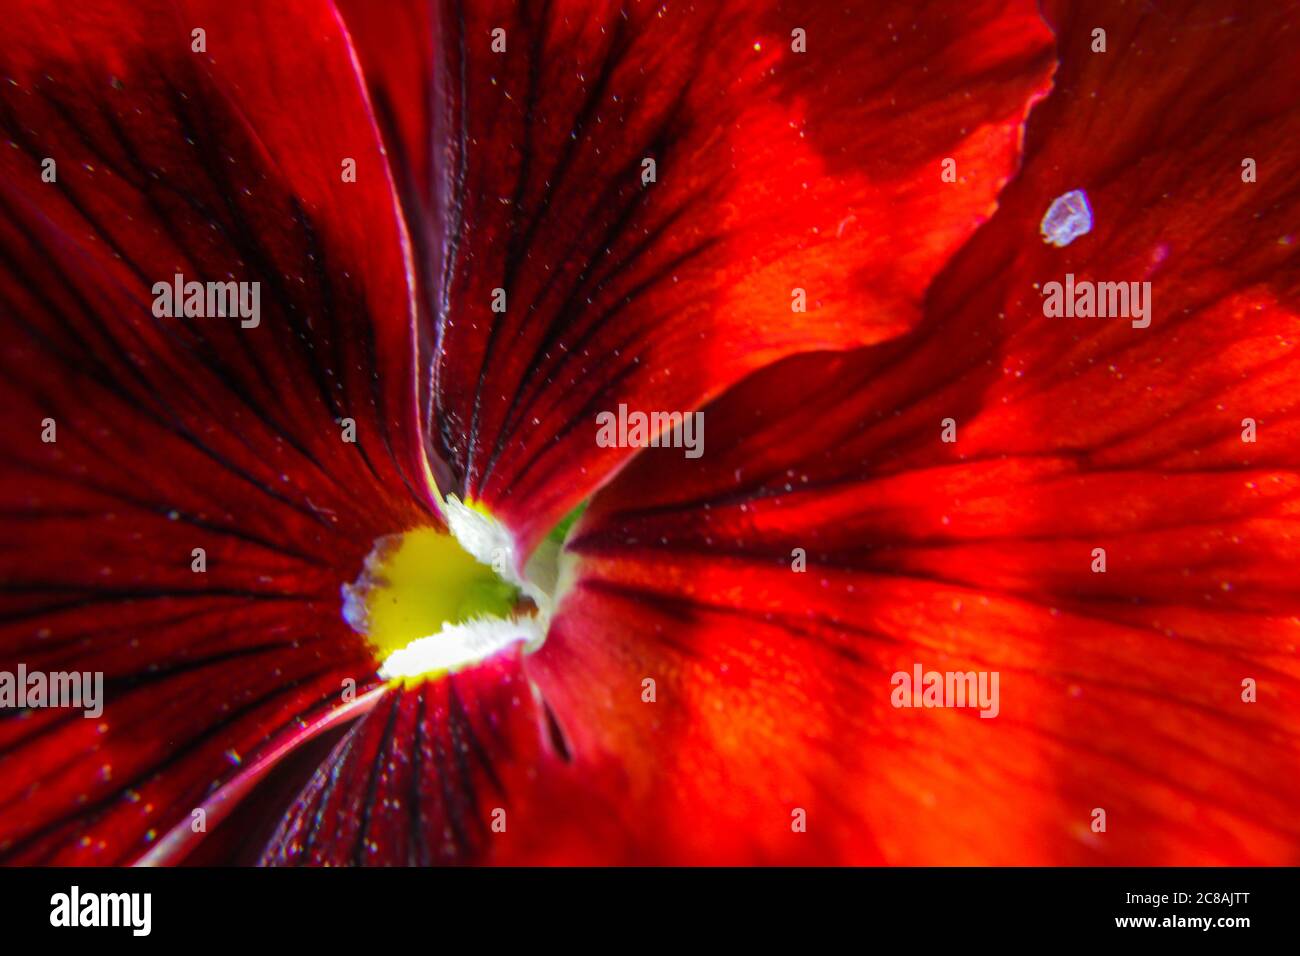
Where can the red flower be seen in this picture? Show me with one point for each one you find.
(464, 259)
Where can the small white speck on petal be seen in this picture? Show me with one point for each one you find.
(1068, 218)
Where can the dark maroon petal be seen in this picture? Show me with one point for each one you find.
(468, 768)
(397, 43)
(176, 434)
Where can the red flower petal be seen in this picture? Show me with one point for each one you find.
(464, 769)
(774, 169)
(1120, 691)
(396, 43)
(175, 434)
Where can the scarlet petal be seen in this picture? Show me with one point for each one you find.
(174, 434)
(1121, 691)
(775, 170)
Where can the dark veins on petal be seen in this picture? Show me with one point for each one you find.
(772, 172)
(1120, 690)
(419, 779)
(176, 434)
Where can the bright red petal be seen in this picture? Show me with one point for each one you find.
(176, 434)
(1121, 691)
(776, 170)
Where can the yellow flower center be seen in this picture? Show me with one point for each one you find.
(423, 584)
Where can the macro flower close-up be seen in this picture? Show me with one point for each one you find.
(719, 433)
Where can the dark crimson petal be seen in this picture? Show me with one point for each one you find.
(1120, 691)
(248, 805)
(397, 44)
(175, 434)
(776, 170)
(464, 769)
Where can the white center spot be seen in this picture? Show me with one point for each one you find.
(482, 536)
(459, 645)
